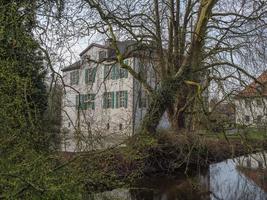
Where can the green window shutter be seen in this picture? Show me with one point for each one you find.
(94, 74)
(125, 73)
(84, 98)
(90, 76)
(86, 76)
(113, 72)
(117, 99)
(117, 72)
(93, 101)
(126, 98)
(82, 101)
(113, 99)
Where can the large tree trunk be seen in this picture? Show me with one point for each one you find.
(178, 99)
(176, 114)
(162, 99)
(177, 118)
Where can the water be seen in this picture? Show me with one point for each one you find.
(242, 178)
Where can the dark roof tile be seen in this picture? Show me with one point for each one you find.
(73, 66)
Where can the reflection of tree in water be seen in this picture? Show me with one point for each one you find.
(228, 183)
(222, 181)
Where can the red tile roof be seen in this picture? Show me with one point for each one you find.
(255, 88)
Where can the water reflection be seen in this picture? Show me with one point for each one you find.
(242, 178)
(228, 182)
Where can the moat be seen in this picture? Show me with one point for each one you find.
(241, 178)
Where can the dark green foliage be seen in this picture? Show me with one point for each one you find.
(28, 167)
(23, 98)
(27, 171)
(52, 117)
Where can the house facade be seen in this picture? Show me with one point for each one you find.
(222, 115)
(103, 104)
(251, 103)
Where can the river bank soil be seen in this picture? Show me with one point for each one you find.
(146, 156)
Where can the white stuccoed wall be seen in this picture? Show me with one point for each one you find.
(252, 111)
(129, 117)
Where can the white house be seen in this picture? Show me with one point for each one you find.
(103, 103)
(251, 103)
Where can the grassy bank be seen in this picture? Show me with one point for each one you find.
(167, 154)
(248, 134)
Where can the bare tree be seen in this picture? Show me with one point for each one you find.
(194, 43)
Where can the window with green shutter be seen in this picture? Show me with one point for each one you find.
(107, 72)
(90, 75)
(126, 99)
(83, 104)
(86, 78)
(108, 100)
(94, 73)
(87, 101)
(115, 73)
(121, 99)
(113, 99)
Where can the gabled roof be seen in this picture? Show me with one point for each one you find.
(73, 66)
(258, 88)
(93, 45)
(128, 47)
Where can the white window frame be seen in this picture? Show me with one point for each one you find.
(122, 99)
(108, 100)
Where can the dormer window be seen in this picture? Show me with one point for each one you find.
(102, 55)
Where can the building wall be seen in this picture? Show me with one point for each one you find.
(250, 112)
(93, 131)
(88, 129)
(254, 161)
